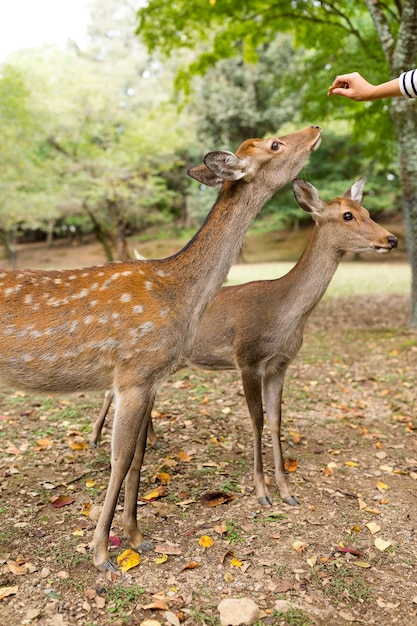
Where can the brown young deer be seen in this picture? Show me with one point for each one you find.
(128, 325)
(257, 328)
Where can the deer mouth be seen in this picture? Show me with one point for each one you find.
(316, 143)
(382, 249)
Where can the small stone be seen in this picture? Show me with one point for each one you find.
(235, 612)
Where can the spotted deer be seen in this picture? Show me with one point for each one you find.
(257, 328)
(128, 325)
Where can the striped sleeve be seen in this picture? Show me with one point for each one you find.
(408, 84)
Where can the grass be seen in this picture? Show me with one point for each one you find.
(351, 278)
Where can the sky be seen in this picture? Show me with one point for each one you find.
(34, 23)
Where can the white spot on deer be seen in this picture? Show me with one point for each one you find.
(115, 315)
(94, 286)
(127, 273)
(80, 294)
(36, 334)
(138, 308)
(146, 327)
(10, 291)
(93, 303)
(148, 285)
(72, 277)
(88, 319)
(28, 298)
(163, 312)
(103, 319)
(126, 297)
(161, 273)
(58, 281)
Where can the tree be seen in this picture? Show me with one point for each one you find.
(377, 38)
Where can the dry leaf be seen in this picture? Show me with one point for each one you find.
(290, 465)
(228, 577)
(362, 504)
(43, 444)
(190, 565)
(8, 591)
(299, 546)
(361, 564)
(205, 541)
(168, 548)
(381, 486)
(61, 501)
(154, 494)
(373, 527)
(295, 436)
(312, 560)
(184, 457)
(352, 464)
(161, 559)
(220, 529)
(128, 559)
(90, 483)
(236, 563)
(214, 498)
(78, 445)
(164, 478)
(381, 545)
(158, 605)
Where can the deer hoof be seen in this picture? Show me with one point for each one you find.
(266, 501)
(291, 500)
(145, 546)
(107, 566)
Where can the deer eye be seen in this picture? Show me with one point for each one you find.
(275, 145)
(347, 216)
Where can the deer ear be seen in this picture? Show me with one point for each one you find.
(226, 165)
(306, 195)
(205, 176)
(356, 191)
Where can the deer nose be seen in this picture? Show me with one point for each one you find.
(393, 241)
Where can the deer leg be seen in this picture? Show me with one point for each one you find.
(94, 438)
(132, 482)
(253, 393)
(272, 391)
(132, 410)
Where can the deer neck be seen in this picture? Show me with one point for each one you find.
(204, 262)
(306, 283)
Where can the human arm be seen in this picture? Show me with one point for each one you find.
(355, 87)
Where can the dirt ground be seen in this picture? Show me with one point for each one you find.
(347, 554)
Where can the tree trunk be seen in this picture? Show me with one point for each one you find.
(121, 244)
(404, 117)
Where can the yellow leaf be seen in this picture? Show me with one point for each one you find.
(361, 564)
(373, 527)
(184, 457)
(8, 591)
(381, 486)
(236, 563)
(295, 436)
(44, 443)
(352, 464)
(228, 577)
(164, 478)
(362, 504)
(78, 445)
(381, 545)
(127, 560)
(161, 559)
(86, 509)
(154, 494)
(205, 541)
(356, 528)
(78, 532)
(312, 560)
(374, 511)
(90, 483)
(299, 546)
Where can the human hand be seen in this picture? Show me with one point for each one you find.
(352, 86)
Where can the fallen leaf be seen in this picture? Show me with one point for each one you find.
(161, 559)
(349, 551)
(61, 501)
(312, 560)
(20, 567)
(78, 445)
(128, 559)
(290, 465)
(158, 605)
(184, 457)
(373, 527)
(361, 564)
(295, 436)
(154, 494)
(381, 545)
(164, 478)
(8, 591)
(236, 563)
(90, 483)
(168, 548)
(205, 541)
(220, 529)
(362, 504)
(114, 541)
(43, 444)
(381, 486)
(215, 498)
(190, 565)
(352, 464)
(299, 546)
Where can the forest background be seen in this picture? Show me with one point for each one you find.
(97, 140)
